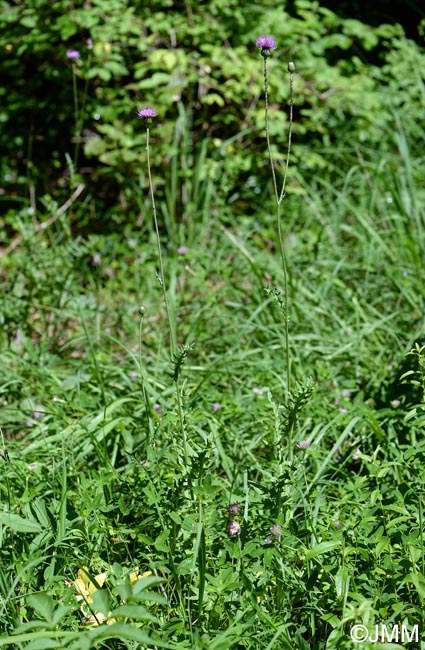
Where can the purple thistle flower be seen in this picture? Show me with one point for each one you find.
(304, 444)
(266, 43)
(216, 407)
(233, 528)
(72, 54)
(276, 531)
(234, 509)
(38, 415)
(182, 250)
(146, 114)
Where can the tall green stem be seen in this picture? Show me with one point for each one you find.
(143, 381)
(278, 200)
(173, 338)
(171, 322)
(291, 121)
(266, 100)
(76, 115)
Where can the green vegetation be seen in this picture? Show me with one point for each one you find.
(160, 486)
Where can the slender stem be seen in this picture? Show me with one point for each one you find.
(291, 121)
(173, 337)
(182, 427)
(266, 99)
(142, 380)
(76, 115)
(173, 340)
(79, 127)
(278, 200)
(286, 297)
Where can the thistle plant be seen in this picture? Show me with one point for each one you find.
(74, 57)
(146, 115)
(266, 44)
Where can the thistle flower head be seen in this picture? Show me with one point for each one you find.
(275, 534)
(234, 509)
(72, 54)
(304, 444)
(146, 114)
(233, 528)
(266, 44)
(276, 531)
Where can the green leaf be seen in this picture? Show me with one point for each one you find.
(19, 524)
(417, 580)
(136, 612)
(157, 79)
(161, 541)
(126, 632)
(321, 548)
(43, 604)
(33, 636)
(213, 98)
(342, 580)
(101, 601)
(60, 612)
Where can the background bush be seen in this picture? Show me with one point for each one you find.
(198, 66)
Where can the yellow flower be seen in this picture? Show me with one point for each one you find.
(97, 618)
(85, 587)
(135, 576)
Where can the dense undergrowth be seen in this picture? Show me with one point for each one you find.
(158, 500)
